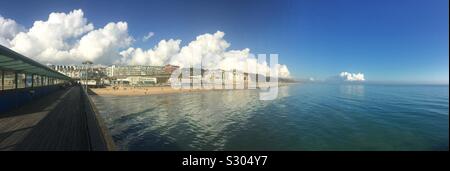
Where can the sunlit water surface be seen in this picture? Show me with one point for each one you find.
(303, 117)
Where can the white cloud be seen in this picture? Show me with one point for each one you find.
(207, 47)
(283, 71)
(148, 36)
(8, 30)
(50, 40)
(102, 44)
(157, 56)
(210, 51)
(352, 76)
(68, 38)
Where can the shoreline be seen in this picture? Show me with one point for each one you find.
(146, 91)
(138, 91)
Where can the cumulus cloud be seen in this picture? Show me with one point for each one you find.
(50, 40)
(208, 51)
(352, 76)
(68, 38)
(283, 71)
(148, 36)
(103, 43)
(157, 56)
(8, 30)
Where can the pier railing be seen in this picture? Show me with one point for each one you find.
(98, 134)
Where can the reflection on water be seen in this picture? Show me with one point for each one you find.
(352, 90)
(303, 117)
(158, 122)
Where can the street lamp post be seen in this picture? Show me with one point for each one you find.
(86, 63)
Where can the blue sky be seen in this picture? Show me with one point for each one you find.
(387, 40)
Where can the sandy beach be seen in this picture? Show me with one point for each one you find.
(142, 91)
(139, 91)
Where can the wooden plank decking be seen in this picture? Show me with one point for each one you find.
(55, 122)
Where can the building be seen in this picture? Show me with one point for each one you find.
(136, 81)
(139, 75)
(95, 74)
(72, 71)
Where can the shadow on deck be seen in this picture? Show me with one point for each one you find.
(64, 120)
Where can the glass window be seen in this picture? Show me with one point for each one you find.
(21, 80)
(9, 80)
(29, 80)
(1, 78)
(37, 82)
(44, 81)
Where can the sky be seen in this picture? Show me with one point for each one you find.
(366, 40)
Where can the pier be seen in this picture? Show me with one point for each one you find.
(41, 110)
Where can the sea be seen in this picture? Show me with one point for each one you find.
(303, 117)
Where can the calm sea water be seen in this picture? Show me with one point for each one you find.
(303, 117)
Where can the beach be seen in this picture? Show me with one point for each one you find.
(138, 91)
(142, 91)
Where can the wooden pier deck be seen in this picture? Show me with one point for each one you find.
(57, 122)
